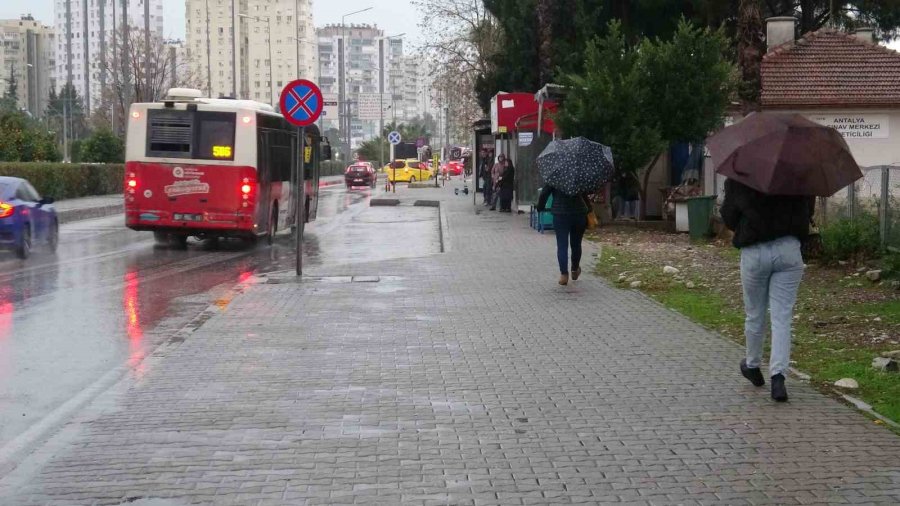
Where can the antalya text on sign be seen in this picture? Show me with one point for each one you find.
(857, 126)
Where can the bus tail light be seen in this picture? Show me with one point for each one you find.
(6, 210)
(131, 182)
(246, 188)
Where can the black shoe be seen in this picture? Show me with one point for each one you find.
(779, 392)
(753, 374)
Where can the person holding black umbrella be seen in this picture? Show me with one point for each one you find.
(768, 229)
(571, 170)
(776, 165)
(569, 222)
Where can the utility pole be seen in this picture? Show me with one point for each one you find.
(234, 55)
(381, 103)
(126, 60)
(343, 103)
(208, 57)
(87, 60)
(115, 55)
(148, 89)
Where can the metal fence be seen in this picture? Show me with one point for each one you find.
(876, 196)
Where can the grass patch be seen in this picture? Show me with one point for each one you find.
(826, 331)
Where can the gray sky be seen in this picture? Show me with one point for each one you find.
(394, 16)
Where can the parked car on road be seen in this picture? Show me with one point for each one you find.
(409, 170)
(360, 174)
(25, 218)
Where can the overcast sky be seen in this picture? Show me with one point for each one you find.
(394, 16)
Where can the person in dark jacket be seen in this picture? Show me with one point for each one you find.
(507, 183)
(569, 223)
(768, 229)
(485, 175)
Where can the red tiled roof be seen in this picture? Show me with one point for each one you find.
(828, 69)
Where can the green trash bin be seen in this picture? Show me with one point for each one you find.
(700, 210)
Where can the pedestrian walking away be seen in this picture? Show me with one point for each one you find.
(768, 229)
(569, 222)
(496, 173)
(507, 184)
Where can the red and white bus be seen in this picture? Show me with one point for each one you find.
(214, 168)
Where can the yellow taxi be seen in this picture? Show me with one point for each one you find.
(408, 171)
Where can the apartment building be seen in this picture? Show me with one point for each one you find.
(87, 31)
(27, 56)
(233, 53)
(370, 56)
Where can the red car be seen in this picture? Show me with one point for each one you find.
(360, 174)
(452, 168)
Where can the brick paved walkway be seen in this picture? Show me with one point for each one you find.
(461, 378)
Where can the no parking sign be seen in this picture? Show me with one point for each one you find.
(301, 102)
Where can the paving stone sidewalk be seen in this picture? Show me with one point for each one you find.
(468, 377)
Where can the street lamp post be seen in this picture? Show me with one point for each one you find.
(343, 88)
(381, 97)
(268, 21)
(298, 41)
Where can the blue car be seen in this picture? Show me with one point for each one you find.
(25, 218)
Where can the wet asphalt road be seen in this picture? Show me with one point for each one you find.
(109, 296)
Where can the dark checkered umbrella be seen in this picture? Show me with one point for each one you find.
(576, 166)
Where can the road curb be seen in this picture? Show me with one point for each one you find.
(89, 213)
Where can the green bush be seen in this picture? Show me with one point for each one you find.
(68, 180)
(331, 168)
(102, 146)
(854, 240)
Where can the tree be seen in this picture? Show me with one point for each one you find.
(23, 139)
(10, 100)
(465, 40)
(691, 84)
(102, 146)
(609, 103)
(750, 50)
(66, 106)
(151, 75)
(640, 98)
(523, 63)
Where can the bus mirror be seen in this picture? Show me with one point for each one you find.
(326, 151)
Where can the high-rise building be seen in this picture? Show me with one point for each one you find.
(27, 57)
(373, 67)
(87, 31)
(233, 54)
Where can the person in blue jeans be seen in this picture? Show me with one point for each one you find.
(569, 222)
(768, 229)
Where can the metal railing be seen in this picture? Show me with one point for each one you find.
(876, 195)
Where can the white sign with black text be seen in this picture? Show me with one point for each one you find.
(856, 126)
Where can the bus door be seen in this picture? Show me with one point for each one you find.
(263, 179)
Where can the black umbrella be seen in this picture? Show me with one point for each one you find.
(576, 166)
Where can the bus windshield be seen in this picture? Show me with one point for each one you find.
(204, 135)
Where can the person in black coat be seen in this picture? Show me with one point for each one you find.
(569, 222)
(768, 229)
(507, 184)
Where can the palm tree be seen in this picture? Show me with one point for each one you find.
(750, 52)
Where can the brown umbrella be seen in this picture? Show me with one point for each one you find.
(784, 154)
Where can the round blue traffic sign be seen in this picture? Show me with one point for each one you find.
(394, 137)
(301, 102)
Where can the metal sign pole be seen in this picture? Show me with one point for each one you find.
(299, 200)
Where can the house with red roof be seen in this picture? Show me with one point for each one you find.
(843, 80)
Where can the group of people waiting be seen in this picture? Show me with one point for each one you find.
(498, 182)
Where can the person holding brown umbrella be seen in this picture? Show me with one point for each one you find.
(776, 165)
